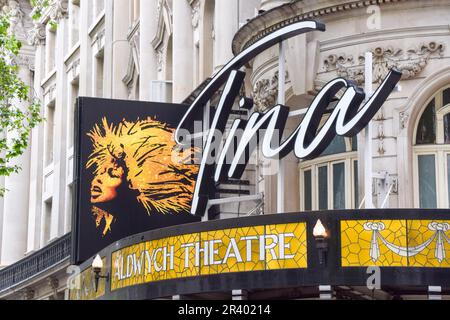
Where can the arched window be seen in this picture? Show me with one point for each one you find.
(432, 153)
(330, 182)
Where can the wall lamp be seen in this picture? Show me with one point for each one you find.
(321, 235)
(97, 266)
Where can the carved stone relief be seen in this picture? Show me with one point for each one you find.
(60, 9)
(36, 36)
(265, 92)
(19, 17)
(411, 63)
(403, 117)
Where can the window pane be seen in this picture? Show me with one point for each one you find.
(426, 130)
(323, 188)
(446, 96)
(307, 190)
(447, 128)
(339, 186)
(355, 183)
(336, 146)
(354, 143)
(427, 182)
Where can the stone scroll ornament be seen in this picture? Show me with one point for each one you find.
(307, 141)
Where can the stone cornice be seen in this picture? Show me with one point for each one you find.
(276, 18)
(58, 9)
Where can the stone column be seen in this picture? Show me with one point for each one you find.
(183, 51)
(108, 50)
(120, 48)
(60, 133)
(148, 60)
(37, 38)
(225, 27)
(15, 202)
(85, 50)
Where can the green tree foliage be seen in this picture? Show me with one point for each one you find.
(39, 7)
(16, 122)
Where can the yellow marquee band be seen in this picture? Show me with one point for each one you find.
(279, 248)
(258, 248)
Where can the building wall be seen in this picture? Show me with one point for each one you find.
(412, 36)
(161, 50)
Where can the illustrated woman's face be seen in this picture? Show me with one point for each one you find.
(105, 183)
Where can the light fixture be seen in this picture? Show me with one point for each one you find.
(319, 230)
(97, 266)
(321, 235)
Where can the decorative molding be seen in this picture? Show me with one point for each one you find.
(36, 36)
(380, 115)
(130, 78)
(98, 43)
(53, 283)
(29, 294)
(411, 63)
(160, 58)
(164, 23)
(394, 185)
(59, 9)
(195, 15)
(25, 60)
(74, 70)
(380, 135)
(20, 21)
(344, 67)
(381, 150)
(265, 92)
(403, 117)
(133, 58)
(50, 94)
(17, 15)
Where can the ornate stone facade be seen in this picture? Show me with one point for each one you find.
(265, 92)
(123, 47)
(419, 51)
(410, 62)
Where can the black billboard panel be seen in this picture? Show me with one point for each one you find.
(130, 175)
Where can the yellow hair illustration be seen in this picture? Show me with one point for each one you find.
(144, 155)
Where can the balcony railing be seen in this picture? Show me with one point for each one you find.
(35, 263)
